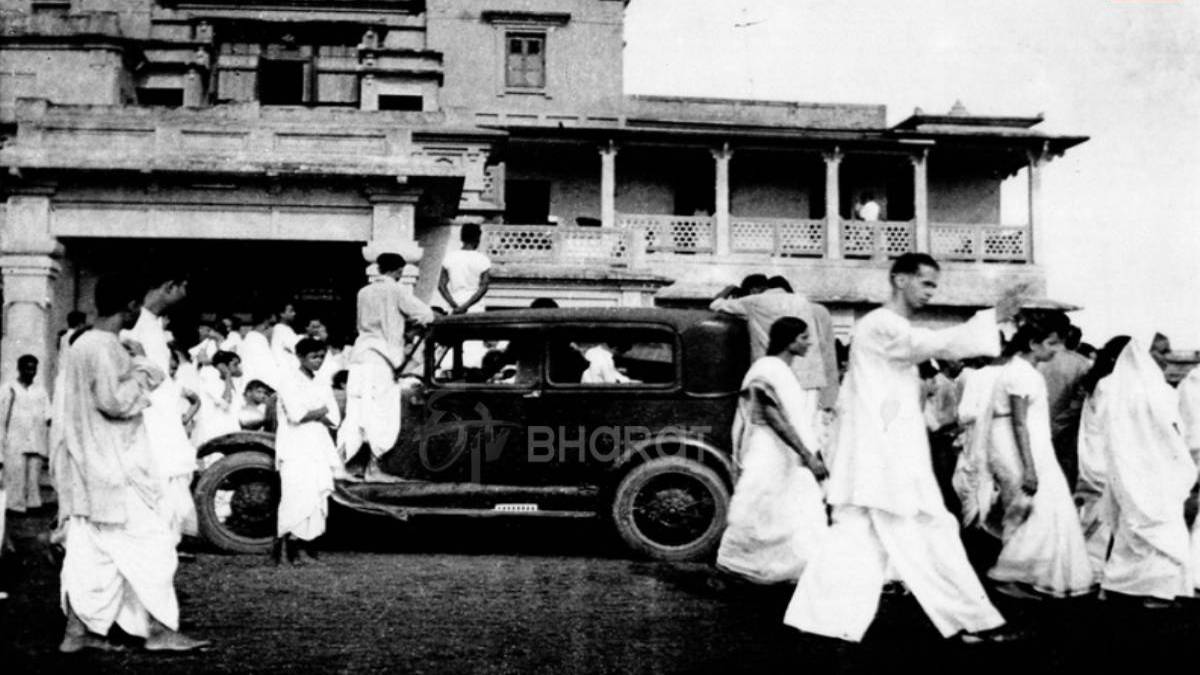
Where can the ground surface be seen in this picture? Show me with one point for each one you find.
(521, 597)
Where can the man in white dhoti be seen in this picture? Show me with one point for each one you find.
(889, 521)
(764, 303)
(305, 455)
(174, 454)
(777, 514)
(24, 412)
(1150, 474)
(373, 388)
(120, 552)
(220, 398)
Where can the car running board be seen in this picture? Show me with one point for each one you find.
(418, 498)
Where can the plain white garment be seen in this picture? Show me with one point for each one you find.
(383, 306)
(839, 592)
(305, 457)
(1189, 411)
(217, 416)
(881, 483)
(372, 405)
(283, 347)
(1092, 494)
(173, 451)
(231, 342)
(1045, 549)
(463, 268)
(869, 210)
(1150, 473)
(602, 369)
(121, 573)
(777, 514)
(258, 361)
(23, 435)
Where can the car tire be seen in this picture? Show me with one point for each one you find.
(671, 508)
(237, 500)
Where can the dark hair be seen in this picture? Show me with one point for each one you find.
(1106, 360)
(927, 370)
(1073, 337)
(911, 263)
(340, 378)
(75, 318)
(1086, 349)
(309, 345)
(258, 384)
(783, 333)
(1033, 329)
(27, 358)
(753, 281)
(470, 233)
(224, 358)
(115, 293)
(779, 282)
(543, 303)
(389, 262)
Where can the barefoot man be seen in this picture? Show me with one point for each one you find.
(889, 520)
(120, 552)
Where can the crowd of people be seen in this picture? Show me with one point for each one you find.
(131, 406)
(1077, 462)
(849, 484)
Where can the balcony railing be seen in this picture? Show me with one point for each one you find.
(787, 237)
(673, 234)
(559, 244)
(979, 242)
(877, 238)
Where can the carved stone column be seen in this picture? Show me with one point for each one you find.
(608, 185)
(921, 200)
(721, 243)
(833, 201)
(29, 267)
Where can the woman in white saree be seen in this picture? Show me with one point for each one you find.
(1030, 509)
(1150, 473)
(777, 513)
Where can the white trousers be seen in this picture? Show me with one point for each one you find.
(838, 594)
(122, 573)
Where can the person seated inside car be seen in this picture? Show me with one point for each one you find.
(602, 367)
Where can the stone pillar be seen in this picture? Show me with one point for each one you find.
(921, 200)
(394, 230)
(722, 243)
(833, 201)
(29, 266)
(608, 185)
(1037, 234)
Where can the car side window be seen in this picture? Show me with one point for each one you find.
(492, 356)
(617, 356)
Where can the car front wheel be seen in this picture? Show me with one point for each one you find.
(671, 508)
(236, 502)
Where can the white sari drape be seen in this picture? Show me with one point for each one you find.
(1150, 473)
(777, 515)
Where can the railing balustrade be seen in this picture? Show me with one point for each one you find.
(673, 234)
(877, 238)
(787, 237)
(558, 244)
(979, 243)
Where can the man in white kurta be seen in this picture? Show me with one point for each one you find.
(372, 388)
(174, 454)
(762, 307)
(24, 410)
(284, 339)
(258, 361)
(889, 520)
(305, 454)
(120, 552)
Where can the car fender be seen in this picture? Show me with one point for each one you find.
(694, 447)
(239, 441)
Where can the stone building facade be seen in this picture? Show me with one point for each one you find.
(270, 145)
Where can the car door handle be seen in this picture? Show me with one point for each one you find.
(536, 393)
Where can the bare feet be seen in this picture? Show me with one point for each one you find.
(172, 641)
(74, 643)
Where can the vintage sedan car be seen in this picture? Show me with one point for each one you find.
(620, 414)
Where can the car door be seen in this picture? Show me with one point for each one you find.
(485, 381)
(593, 415)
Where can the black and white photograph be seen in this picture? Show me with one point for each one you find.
(599, 336)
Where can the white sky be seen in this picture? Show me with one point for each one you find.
(1123, 209)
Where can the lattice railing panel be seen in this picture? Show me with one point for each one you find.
(979, 242)
(558, 244)
(673, 234)
(877, 238)
(802, 238)
(858, 239)
(752, 236)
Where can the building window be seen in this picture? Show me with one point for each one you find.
(282, 82)
(160, 96)
(525, 61)
(401, 102)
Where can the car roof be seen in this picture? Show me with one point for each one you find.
(680, 319)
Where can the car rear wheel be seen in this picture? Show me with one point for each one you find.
(237, 499)
(671, 508)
